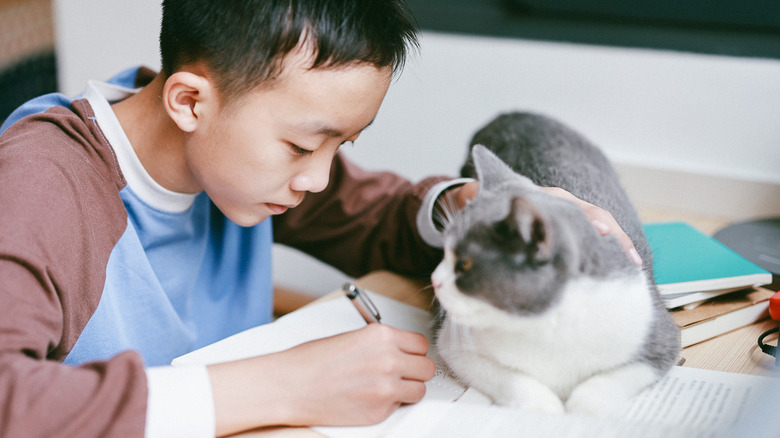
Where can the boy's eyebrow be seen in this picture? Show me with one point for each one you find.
(323, 129)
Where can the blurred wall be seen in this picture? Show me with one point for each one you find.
(27, 59)
(709, 117)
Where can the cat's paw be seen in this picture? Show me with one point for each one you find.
(608, 394)
(547, 402)
(533, 397)
(603, 404)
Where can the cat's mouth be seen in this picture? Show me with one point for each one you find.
(460, 308)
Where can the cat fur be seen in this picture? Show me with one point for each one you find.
(535, 308)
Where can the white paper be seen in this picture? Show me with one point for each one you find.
(703, 399)
(688, 402)
(321, 320)
(308, 323)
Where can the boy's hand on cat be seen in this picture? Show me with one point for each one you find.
(462, 194)
(355, 378)
(602, 220)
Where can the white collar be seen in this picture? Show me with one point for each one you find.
(99, 94)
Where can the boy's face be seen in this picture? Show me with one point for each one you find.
(261, 156)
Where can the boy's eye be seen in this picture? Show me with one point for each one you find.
(297, 150)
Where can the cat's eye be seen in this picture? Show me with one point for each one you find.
(464, 264)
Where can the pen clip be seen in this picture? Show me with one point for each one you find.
(362, 302)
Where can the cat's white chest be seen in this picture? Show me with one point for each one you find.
(597, 325)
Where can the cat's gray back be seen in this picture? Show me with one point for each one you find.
(552, 154)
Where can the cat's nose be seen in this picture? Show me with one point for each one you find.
(437, 277)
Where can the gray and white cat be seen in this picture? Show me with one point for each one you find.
(537, 309)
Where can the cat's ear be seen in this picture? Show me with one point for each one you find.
(491, 170)
(531, 227)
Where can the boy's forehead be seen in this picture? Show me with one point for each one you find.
(301, 61)
(318, 127)
(335, 101)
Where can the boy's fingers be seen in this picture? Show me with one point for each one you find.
(411, 391)
(413, 343)
(602, 221)
(421, 369)
(605, 224)
(467, 192)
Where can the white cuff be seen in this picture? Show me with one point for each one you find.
(425, 226)
(179, 403)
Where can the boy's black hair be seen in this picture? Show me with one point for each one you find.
(243, 42)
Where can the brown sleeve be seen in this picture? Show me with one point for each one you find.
(361, 222)
(60, 217)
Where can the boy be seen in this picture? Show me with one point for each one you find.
(136, 226)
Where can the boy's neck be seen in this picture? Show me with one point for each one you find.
(157, 141)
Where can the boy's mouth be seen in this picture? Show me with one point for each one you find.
(277, 209)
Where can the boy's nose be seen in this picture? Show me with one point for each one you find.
(314, 178)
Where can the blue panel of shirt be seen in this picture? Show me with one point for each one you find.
(174, 281)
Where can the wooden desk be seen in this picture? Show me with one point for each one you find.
(736, 351)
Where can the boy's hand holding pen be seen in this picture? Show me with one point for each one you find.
(362, 303)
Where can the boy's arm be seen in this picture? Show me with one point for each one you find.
(362, 221)
(443, 199)
(52, 271)
(40, 397)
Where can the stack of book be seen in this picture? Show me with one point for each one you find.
(722, 314)
(710, 288)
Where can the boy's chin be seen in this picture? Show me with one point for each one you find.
(248, 218)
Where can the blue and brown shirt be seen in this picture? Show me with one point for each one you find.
(104, 273)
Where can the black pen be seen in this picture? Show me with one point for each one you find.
(362, 303)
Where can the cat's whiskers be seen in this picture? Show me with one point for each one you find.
(432, 295)
(411, 297)
(448, 207)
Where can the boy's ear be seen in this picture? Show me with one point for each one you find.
(186, 97)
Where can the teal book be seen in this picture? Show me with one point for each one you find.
(687, 261)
